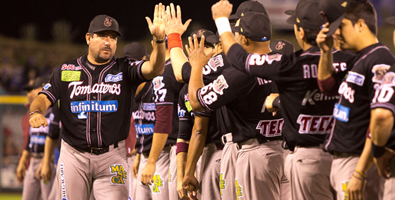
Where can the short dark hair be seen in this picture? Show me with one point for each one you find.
(362, 9)
(310, 35)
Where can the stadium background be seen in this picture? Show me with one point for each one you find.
(41, 35)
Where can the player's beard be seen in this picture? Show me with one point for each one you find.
(103, 55)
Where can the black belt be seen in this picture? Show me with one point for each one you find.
(343, 154)
(97, 150)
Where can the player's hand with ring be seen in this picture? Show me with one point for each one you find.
(173, 21)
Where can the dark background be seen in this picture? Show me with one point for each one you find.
(129, 14)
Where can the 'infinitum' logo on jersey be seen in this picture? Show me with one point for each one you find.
(101, 88)
(93, 106)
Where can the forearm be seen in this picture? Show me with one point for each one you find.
(366, 159)
(49, 149)
(381, 123)
(25, 155)
(158, 143)
(40, 104)
(227, 40)
(181, 162)
(178, 58)
(196, 144)
(325, 65)
(195, 83)
(156, 64)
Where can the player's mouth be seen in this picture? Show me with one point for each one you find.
(106, 49)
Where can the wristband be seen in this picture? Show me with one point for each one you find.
(34, 112)
(276, 103)
(361, 173)
(360, 178)
(174, 40)
(223, 25)
(158, 41)
(377, 151)
(181, 147)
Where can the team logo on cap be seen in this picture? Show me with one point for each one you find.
(344, 4)
(108, 22)
(200, 33)
(280, 45)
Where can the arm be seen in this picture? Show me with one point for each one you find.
(155, 66)
(357, 183)
(181, 162)
(221, 12)
(21, 170)
(158, 143)
(174, 30)
(39, 105)
(381, 124)
(198, 60)
(325, 66)
(196, 145)
(45, 170)
(136, 165)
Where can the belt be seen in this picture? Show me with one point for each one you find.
(343, 154)
(98, 150)
(227, 138)
(255, 141)
(37, 155)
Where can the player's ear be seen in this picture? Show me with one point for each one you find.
(301, 33)
(360, 25)
(244, 40)
(88, 38)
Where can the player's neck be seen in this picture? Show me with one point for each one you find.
(368, 40)
(258, 47)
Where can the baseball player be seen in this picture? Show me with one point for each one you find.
(307, 167)
(383, 133)
(95, 92)
(354, 24)
(166, 90)
(34, 188)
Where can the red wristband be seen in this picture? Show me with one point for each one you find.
(181, 147)
(174, 40)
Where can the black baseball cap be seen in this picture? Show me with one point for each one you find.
(248, 6)
(333, 11)
(200, 32)
(39, 82)
(255, 26)
(213, 39)
(135, 50)
(390, 20)
(104, 23)
(306, 15)
(282, 46)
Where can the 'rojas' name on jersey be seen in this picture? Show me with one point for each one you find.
(101, 88)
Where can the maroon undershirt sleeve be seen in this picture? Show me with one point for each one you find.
(164, 118)
(327, 86)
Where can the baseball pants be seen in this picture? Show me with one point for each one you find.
(342, 170)
(260, 168)
(228, 168)
(285, 187)
(173, 194)
(34, 188)
(208, 176)
(308, 169)
(389, 186)
(159, 189)
(132, 180)
(80, 173)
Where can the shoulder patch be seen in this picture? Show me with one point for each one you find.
(355, 78)
(158, 82)
(379, 71)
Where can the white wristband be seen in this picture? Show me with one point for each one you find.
(223, 25)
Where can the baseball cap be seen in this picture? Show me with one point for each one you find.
(104, 23)
(306, 15)
(390, 20)
(213, 39)
(38, 83)
(135, 50)
(333, 11)
(282, 46)
(255, 26)
(248, 6)
(200, 32)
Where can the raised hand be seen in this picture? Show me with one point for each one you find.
(197, 57)
(173, 22)
(157, 26)
(323, 41)
(221, 9)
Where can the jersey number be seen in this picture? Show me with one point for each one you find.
(160, 95)
(383, 95)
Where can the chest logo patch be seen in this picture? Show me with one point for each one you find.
(120, 174)
(114, 78)
(68, 76)
(355, 78)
